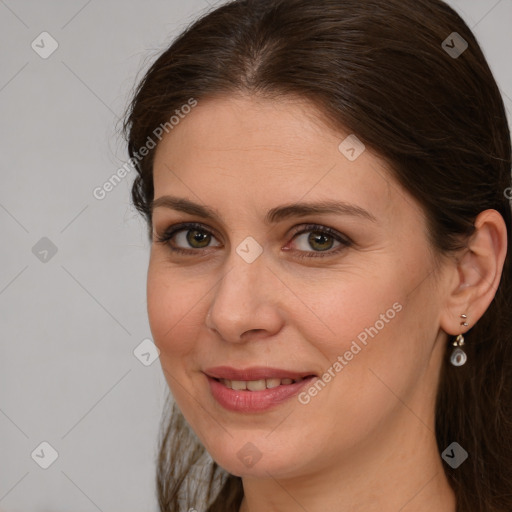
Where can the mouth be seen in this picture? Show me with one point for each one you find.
(255, 389)
(255, 373)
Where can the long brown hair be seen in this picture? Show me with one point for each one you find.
(380, 69)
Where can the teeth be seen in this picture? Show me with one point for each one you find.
(273, 383)
(257, 385)
(238, 384)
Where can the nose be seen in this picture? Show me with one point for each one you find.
(245, 302)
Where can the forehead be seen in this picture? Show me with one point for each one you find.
(267, 152)
(277, 129)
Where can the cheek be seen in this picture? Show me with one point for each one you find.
(360, 326)
(346, 310)
(378, 349)
(327, 314)
(173, 305)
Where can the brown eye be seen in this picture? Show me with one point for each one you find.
(322, 241)
(186, 238)
(196, 236)
(314, 240)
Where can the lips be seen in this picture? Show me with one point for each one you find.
(256, 389)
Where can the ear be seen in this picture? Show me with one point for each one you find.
(476, 274)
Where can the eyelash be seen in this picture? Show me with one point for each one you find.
(166, 237)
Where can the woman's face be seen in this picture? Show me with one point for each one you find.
(257, 287)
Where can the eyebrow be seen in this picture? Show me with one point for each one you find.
(274, 215)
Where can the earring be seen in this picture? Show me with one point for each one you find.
(459, 357)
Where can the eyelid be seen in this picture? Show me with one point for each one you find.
(171, 231)
(344, 241)
(304, 228)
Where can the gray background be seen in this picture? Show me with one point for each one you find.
(70, 321)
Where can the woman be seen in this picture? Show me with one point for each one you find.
(325, 185)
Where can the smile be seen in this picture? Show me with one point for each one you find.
(254, 390)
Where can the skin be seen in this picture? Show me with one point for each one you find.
(366, 441)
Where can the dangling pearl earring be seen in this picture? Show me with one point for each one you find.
(459, 357)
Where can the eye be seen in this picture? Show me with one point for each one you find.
(193, 235)
(321, 239)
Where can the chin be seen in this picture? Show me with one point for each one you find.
(257, 458)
